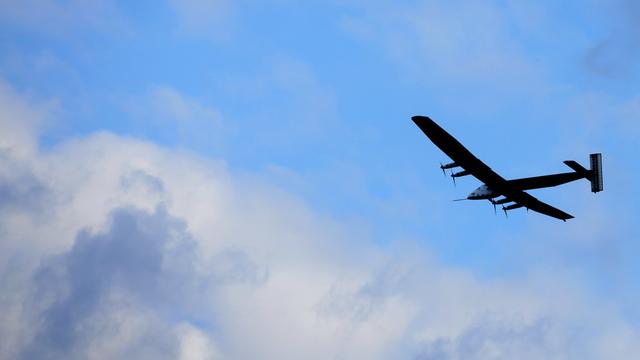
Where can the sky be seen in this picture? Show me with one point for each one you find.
(219, 179)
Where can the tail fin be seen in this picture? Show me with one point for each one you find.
(594, 175)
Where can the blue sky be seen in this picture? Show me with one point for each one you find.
(302, 110)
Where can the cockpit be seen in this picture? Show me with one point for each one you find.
(482, 192)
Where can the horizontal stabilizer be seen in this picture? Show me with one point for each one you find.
(577, 167)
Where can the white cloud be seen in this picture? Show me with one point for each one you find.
(20, 121)
(146, 252)
(195, 345)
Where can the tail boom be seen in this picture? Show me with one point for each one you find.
(594, 175)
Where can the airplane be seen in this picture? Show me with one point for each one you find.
(499, 191)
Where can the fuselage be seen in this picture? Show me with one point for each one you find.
(483, 192)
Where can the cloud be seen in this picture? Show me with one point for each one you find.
(497, 341)
(140, 270)
(21, 121)
(149, 252)
(20, 188)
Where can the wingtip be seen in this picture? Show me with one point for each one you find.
(423, 122)
(420, 118)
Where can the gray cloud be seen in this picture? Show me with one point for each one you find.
(495, 340)
(144, 267)
(140, 179)
(20, 188)
(143, 260)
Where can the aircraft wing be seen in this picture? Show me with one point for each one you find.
(522, 198)
(458, 153)
(466, 160)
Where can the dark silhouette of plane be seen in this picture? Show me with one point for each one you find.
(510, 192)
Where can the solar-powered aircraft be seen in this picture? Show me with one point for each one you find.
(499, 191)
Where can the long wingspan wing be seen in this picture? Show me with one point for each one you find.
(458, 153)
(531, 203)
(465, 159)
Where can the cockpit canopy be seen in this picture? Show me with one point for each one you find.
(482, 192)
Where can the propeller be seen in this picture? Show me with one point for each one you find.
(454, 180)
(443, 167)
(494, 206)
(511, 207)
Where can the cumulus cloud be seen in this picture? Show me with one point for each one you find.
(20, 188)
(148, 252)
(143, 266)
(20, 121)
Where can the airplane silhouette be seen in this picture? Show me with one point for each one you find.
(499, 191)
